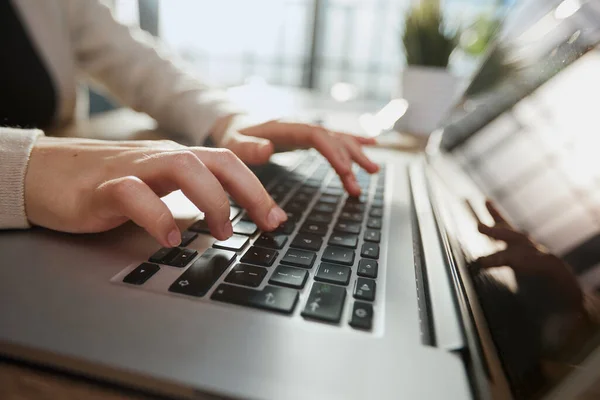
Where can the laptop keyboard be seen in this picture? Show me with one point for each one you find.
(329, 249)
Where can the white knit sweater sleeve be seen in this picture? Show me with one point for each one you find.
(15, 148)
(141, 73)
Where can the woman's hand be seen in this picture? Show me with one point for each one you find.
(79, 185)
(255, 144)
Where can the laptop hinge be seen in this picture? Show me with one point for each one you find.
(443, 314)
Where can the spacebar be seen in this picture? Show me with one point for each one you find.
(271, 298)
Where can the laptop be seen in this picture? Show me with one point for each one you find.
(392, 295)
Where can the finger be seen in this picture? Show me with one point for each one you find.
(359, 139)
(365, 141)
(130, 197)
(357, 154)
(250, 149)
(245, 187)
(196, 181)
(294, 135)
(523, 260)
(499, 259)
(496, 215)
(505, 234)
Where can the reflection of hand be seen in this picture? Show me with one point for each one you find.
(78, 185)
(528, 259)
(256, 144)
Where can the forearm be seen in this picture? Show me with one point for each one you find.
(142, 73)
(15, 149)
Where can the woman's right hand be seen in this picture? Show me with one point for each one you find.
(81, 185)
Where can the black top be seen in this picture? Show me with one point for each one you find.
(27, 93)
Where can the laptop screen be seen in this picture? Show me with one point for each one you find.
(527, 132)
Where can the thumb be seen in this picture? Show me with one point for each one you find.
(250, 149)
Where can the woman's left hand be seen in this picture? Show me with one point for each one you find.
(256, 144)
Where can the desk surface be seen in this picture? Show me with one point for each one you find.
(26, 383)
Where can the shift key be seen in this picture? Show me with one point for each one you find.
(203, 273)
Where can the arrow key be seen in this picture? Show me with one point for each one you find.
(364, 289)
(325, 302)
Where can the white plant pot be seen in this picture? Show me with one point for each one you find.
(430, 92)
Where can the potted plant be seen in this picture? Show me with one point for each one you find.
(427, 84)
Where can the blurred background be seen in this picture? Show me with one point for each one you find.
(345, 48)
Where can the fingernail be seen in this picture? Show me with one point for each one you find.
(174, 238)
(228, 229)
(276, 217)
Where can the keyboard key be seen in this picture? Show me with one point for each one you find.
(367, 268)
(332, 273)
(271, 240)
(277, 197)
(333, 191)
(289, 276)
(314, 183)
(164, 255)
(370, 250)
(364, 289)
(348, 216)
(302, 198)
(260, 256)
(376, 212)
(141, 274)
(188, 237)
(362, 316)
(295, 207)
(343, 239)
(234, 212)
(307, 241)
(271, 298)
(354, 207)
(245, 228)
(280, 189)
(377, 203)
(319, 217)
(299, 258)
(203, 273)
(308, 190)
(372, 235)
(338, 255)
(329, 199)
(362, 199)
(325, 302)
(200, 226)
(374, 223)
(286, 228)
(315, 228)
(234, 243)
(246, 275)
(378, 196)
(347, 227)
(324, 207)
(182, 259)
(293, 216)
(246, 218)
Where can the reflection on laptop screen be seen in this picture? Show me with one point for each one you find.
(527, 132)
